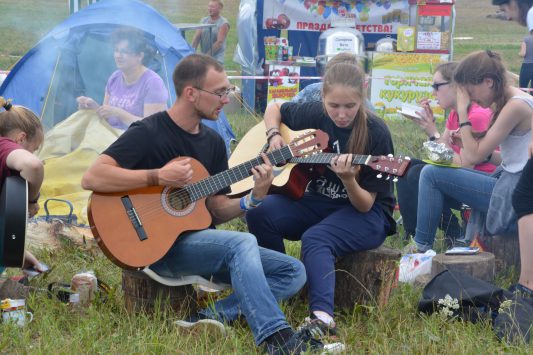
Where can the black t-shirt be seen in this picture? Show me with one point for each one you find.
(154, 141)
(313, 115)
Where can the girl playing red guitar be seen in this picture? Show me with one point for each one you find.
(348, 208)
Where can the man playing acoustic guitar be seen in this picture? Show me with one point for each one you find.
(143, 156)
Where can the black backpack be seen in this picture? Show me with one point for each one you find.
(480, 300)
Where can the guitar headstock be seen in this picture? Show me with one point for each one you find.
(309, 143)
(389, 164)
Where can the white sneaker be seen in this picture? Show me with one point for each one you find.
(201, 320)
(334, 348)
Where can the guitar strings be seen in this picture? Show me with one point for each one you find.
(193, 192)
(185, 196)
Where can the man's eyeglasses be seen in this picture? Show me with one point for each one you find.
(436, 86)
(123, 51)
(219, 93)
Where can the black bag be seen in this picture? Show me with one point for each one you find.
(513, 325)
(478, 300)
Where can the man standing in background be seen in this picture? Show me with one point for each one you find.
(213, 40)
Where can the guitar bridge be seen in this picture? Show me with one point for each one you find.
(134, 218)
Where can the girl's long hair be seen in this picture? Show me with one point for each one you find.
(476, 67)
(447, 70)
(350, 76)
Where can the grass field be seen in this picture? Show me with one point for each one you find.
(106, 327)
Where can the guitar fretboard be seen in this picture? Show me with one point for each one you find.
(325, 158)
(217, 182)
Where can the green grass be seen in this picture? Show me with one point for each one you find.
(108, 328)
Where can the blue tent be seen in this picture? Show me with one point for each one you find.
(76, 58)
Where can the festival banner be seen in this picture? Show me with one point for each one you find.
(400, 78)
(281, 84)
(370, 16)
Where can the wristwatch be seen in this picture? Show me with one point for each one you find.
(434, 137)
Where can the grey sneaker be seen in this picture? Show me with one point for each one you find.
(303, 342)
(297, 344)
(198, 320)
(318, 329)
(410, 248)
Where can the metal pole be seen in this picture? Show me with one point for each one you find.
(211, 40)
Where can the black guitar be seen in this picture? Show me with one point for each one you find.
(13, 219)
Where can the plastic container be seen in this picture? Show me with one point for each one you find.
(83, 286)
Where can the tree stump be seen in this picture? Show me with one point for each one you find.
(143, 293)
(366, 276)
(480, 265)
(506, 250)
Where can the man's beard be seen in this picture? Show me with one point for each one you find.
(203, 114)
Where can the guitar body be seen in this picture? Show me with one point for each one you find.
(295, 179)
(13, 219)
(162, 217)
(290, 179)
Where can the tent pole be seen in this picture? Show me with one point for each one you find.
(50, 87)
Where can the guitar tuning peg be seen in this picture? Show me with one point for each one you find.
(407, 158)
(379, 176)
(388, 177)
(389, 155)
(395, 179)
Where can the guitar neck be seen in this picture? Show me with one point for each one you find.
(325, 158)
(217, 182)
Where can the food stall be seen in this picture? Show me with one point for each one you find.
(400, 76)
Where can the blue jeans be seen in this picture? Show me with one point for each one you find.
(407, 189)
(259, 277)
(327, 230)
(471, 187)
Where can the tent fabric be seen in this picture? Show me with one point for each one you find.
(74, 59)
(69, 148)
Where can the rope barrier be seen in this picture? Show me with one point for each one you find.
(296, 77)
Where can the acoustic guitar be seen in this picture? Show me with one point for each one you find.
(13, 219)
(137, 228)
(292, 178)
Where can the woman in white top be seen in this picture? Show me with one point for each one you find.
(480, 78)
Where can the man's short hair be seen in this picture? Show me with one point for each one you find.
(529, 20)
(500, 2)
(192, 71)
(219, 2)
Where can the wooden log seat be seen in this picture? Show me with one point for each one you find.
(366, 277)
(480, 265)
(143, 293)
(506, 250)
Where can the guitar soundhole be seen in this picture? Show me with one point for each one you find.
(179, 199)
(177, 202)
